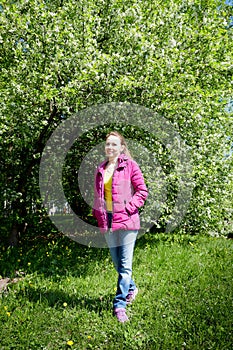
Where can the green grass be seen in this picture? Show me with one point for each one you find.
(66, 291)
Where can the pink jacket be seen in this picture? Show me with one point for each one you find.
(129, 192)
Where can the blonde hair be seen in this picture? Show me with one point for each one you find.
(123, 142)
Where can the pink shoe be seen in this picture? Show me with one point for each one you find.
(121, 315)
(131, 296)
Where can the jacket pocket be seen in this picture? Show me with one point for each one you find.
(125, 202)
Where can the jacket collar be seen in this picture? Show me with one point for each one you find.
(122, 159)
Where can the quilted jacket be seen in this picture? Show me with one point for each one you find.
(129, 192)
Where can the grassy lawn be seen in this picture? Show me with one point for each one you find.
(63, 297)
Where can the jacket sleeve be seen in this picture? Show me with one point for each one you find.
(140, 190)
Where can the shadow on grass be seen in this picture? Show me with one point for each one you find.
(61, 300)
(52, 259)
(56, 255)
(52, 255)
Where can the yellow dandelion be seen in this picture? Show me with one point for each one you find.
(8, 314)
(65, 304)
(89, 337)
(29, 263)
(70, 342)
(5, 308)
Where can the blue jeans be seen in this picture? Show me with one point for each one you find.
(121, 245)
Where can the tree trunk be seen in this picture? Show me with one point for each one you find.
(13, 239)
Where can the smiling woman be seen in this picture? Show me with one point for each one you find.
(119, 192)
(113, 147)
(116, 144)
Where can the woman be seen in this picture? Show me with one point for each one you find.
(119, 192)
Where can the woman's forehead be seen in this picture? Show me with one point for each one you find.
(113, 138)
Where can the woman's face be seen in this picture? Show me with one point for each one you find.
(113, 147)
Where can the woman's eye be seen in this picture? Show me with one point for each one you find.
(111, 144)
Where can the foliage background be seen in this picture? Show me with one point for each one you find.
(59, 57)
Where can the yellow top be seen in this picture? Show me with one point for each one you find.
(108, 190)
